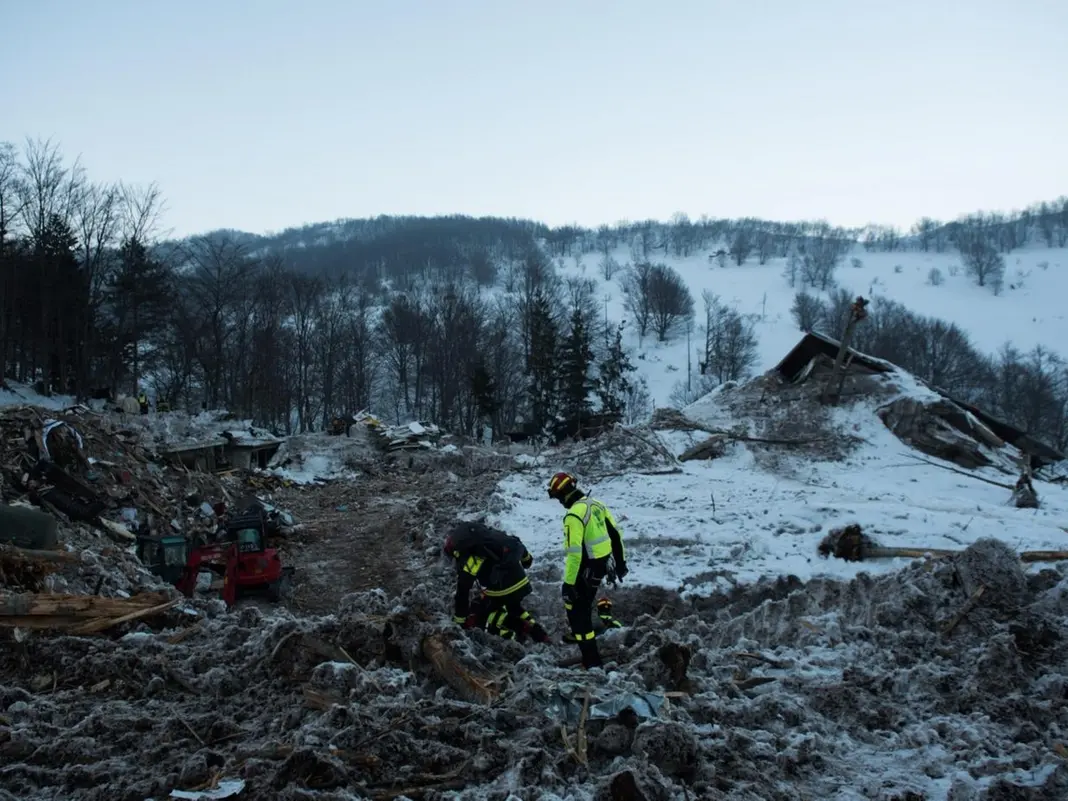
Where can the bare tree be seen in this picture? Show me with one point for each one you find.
(609, 267)
(47, 187)
(220, 271)
(9, 195)
(820, 258)
(730, 342)
(637, 290)
(982, 261)
(670, 301)
(742, 242)
(807, 311)
(143, 210)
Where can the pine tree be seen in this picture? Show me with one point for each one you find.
(483, 392)
(613, 381)
(541, 362)
(140, 293)
(576, 358)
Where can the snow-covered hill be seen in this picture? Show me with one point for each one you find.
(1029, 310)
(758, 512)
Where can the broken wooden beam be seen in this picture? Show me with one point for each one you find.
(100, 624)
(85, 614)
(469, 686)
(37, 554)
(973, 599)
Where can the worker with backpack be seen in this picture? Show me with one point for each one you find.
(498, 562)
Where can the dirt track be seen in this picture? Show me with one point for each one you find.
(370, 533)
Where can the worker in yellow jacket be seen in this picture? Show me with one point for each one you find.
(593, 547)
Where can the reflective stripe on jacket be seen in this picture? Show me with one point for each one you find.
(585, 533)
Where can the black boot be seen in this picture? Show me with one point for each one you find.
(591, 656)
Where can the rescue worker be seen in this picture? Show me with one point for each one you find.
(591, 539)
(498, 562)
(142, 401)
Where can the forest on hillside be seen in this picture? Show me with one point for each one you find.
(461, 321)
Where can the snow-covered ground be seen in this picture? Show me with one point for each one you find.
(1028, 311)
(730, 521)
(21, 395)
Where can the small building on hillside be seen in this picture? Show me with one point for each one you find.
(250, 450)
(204, 456)
(814, 355)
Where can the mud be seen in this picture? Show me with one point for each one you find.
(374, 532)
(835, 690)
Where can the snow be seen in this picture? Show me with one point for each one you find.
(17, 394)
(1028, 311)
(311, 467)
(728, 521)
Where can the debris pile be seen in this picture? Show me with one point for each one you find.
(81, 489)
(774, 691)
(616, 452)
(408, 437)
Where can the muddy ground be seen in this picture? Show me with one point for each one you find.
(827, 690)
(370, 532)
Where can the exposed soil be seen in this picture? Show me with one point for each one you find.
(369, 533)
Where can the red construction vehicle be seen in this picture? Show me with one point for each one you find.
(241, 557)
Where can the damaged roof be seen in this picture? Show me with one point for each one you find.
(812, 344)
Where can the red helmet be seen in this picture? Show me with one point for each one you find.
(561, 484)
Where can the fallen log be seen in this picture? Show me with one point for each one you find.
(470, 687)
(1043, 556)
(36, 554)
(853, 545)
(84, 613)
(965, 473)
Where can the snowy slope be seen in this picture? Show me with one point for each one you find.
(728, 521)
(21, 395)
(1029, 314)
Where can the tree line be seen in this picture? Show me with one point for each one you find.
(92, 297)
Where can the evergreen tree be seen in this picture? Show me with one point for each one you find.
(576, 358)
(483, 392)
(58, 281)
(541, 362)
(614, 383)
(140, 292)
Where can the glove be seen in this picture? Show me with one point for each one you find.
(621, 570)
(471, 622)
(568, 591)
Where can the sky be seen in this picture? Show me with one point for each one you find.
(261, 115)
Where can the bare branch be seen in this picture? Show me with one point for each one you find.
(143, 208)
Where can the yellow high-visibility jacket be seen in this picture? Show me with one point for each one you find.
(589, 529)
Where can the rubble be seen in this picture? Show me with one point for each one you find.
(791, 691)
(617, 452)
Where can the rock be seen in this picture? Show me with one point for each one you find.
(993, 564)
(614, 739)
(670, 746)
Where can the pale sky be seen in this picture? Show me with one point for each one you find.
(262, 114)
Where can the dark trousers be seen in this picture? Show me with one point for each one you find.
(506, 617)
(580, 609)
